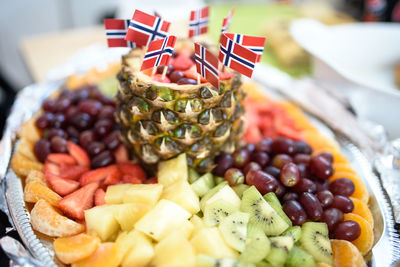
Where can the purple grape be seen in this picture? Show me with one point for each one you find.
(234, 176)
(82, 121)
(264, 145)
(59, 121)
(311, 205)
(103, 159)
(73, 132)
(250, 147)
(63, 104)
(281, 159)
(325, 197)
(42, 149)
(112, 140)
(187, 81)
(320, 167)
(301, 158)
(251, 166)
(290, 196)
(280, 190)
(87, 137)
(261, 158)
(342, 186)
(240, 158)
(274, 171)
(322, 184)
(70, 113)
(49, 105)
(56, 132)
(90, 106)
(176, 75)
(58, 145)
(305, 185)
(95, 148)
(106, 112)
(103, 127)
(264, 182)
(304, 173)
(327, 156)
(283, 145)
(295, 212)
(82, 94)
(348, 230)
(44, 121)
(290, 175)
(224, 162)
(303, 147)
(332, 217)
(343, 203)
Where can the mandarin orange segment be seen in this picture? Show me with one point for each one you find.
(37, 176)
(365, 241)
(75, 248)
(339, 157)
(34, 191)
(106, 255)
(361, 208)
(361, 191)
(21, 165)
(29, 130)
(25, 147)
(345, 254)
(343, 167)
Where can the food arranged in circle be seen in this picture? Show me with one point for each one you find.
(175, 173)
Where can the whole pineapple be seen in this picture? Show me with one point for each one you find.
(162, 120)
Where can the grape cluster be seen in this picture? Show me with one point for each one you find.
(298, 178)
(83, 116)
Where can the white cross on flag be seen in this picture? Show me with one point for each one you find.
(198, 22)
(206, 64)
(115, 32)
(254, 43)
(158, 53)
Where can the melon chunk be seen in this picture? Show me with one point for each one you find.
(182, 194)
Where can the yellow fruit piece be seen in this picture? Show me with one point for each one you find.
(75, 248)
(147, 194)
(136, 249)
(187, 228)
(29, 130)
(343, 167)
(174, 251)
(339, 158)
(106, 255)
(46, 220)
(101, 220)
(323, 264)
(21, 165)
(361, 209)
(34, 191)
(25, 147)
(115, 193)
(37, 176)
(209, 241)
(198, 224)
(254, 91)
(173, 170)
(365, 241)
(345, 254)
(182, 194)
(129, 213)
(361, 191)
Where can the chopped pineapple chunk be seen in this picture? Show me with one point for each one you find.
(173, 170)
(182, 194)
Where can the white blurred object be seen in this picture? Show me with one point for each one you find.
(359, 59)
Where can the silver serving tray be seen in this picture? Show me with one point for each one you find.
(385, 252)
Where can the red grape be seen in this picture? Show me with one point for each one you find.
(82, 94)
(261, 158)
(264, 182)
(251, 166)
(280, 160)
(311, 205)
(325, 197)
(103, 127)
(72, 132)
(95, 148)
(90, 106)
(295, 212)
(224, 162)
(49, 105)
(322, 184)
(342, 186)
(303, 147)
(58, 145)
(44, 121)
(82, 121)
(112, 140)
(264, 145)
(250, 147)
(56, 132)
(106, 112)
(280, 190)
(327, 156)
(343, 203)
(86, 137)
(59, 121)
(103, 159)
(283, 145)
(347, 230)
(332, 217)
(305, 185)
(42, 149)
(303, 170)
(240, 158)
(70, 113)
(176, 75)
(187, 81)
(273, 171)
(320, 167)
(234, 176)
(290, 175)
(63, 104)
(290, 196)
(301, 158)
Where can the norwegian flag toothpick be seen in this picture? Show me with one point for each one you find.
(198, 23)
(158, 52)
(237, 57)
(227, 20)
(206, 64)
(254, 43)
(145, 28)
(115, 32)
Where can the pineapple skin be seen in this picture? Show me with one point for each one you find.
(159, 120)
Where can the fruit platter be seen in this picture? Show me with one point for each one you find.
(169, 170)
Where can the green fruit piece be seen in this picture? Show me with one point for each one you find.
(261, 213)
(219, 180)
(280, 247)
(257, 245)
(234, 229)
(205, 261)
(298, 257)
(239, 189)
(276, 205)
(193, 175)
(315, 240)
(204, 184)
(216, 211)
(294, 232)
(224, 191)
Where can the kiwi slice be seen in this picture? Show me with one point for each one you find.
(294, 232)
(315, 240)
(218, 179)
(234, 229)
(239, 189)
(207, 261)
(224, 192)
(211, 193)
(298, 257)
(274, 202)
(216, 211)
(203, 184)
(193, 175)
(257, 245)
(263, 264)
(280, 247)
(261, 213)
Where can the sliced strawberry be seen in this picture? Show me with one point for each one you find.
(80, 155)
(192, 74)
(114, 177)
(99, 197)
(96, 175)
(226, 75)
(74, 205)
(61, 158)
(182, 62)
(152, 180)
(61, 186)
(133, 170)
(121, 154)
(52, 168)
(129, 179)
(72, 172)
(159, 78)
